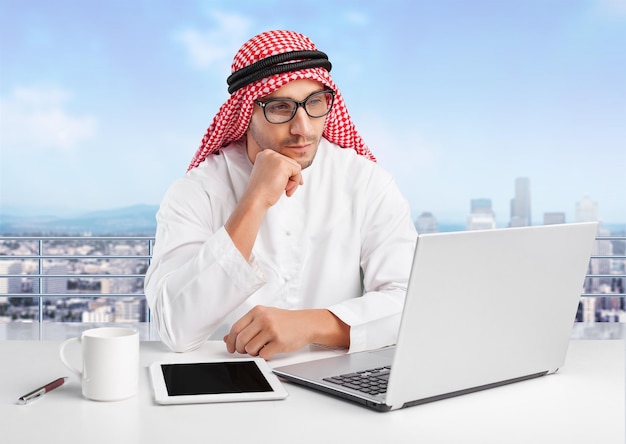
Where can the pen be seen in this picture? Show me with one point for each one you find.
(39, 392)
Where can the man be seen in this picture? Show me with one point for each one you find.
(284, 232)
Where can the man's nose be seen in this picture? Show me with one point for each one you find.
(301, 122)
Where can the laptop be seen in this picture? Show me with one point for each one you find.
(483, 309)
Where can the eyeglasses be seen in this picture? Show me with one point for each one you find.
(316, 105)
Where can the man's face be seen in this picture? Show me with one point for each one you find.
(299, 138)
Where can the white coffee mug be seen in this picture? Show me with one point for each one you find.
(110, 363)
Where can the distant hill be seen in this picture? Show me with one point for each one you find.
(137, 220)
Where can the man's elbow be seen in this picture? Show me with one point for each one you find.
(175, 335)
(181, 343)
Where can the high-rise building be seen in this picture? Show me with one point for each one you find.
(520, 204)
(586, 210)
(481, 205)
(427, 223)
(552, 218)
(12, 284)
(130, 310)
(55, 285)
(481, 215)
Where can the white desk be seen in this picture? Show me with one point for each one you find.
(583, 403)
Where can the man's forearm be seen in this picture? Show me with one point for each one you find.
(243, 226)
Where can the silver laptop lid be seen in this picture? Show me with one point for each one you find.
(488, 306)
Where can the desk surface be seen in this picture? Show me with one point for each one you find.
(582, 403)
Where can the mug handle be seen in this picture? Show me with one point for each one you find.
(65, 361)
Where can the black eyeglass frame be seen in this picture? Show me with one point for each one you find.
(298, 104)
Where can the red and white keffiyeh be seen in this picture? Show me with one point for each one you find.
(233, 117)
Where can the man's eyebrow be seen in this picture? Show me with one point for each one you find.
(269, 97)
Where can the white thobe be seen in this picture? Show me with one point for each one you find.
(344, 241)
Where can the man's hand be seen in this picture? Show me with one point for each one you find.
(272, 174)
(266, 331)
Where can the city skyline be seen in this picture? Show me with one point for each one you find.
(100, 280)
(479, 214)
(102, 105)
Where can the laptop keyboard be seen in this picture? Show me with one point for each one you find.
(372, 382)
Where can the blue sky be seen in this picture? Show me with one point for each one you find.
(104, 103)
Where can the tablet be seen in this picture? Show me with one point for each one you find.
(224, 380)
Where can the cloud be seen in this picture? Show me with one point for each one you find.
(35, 117)
(615, 9)
(219, 42)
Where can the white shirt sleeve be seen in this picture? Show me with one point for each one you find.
(388, 239)
(196, 277)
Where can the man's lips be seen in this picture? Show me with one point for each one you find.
(298, 147)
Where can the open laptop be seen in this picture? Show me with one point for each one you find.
(483, 309)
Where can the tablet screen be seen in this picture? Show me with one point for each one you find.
(207, 378)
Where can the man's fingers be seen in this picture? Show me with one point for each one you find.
(232, 339)
(250, 333)
(274, 174)
(255, 345)
(292, 184)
